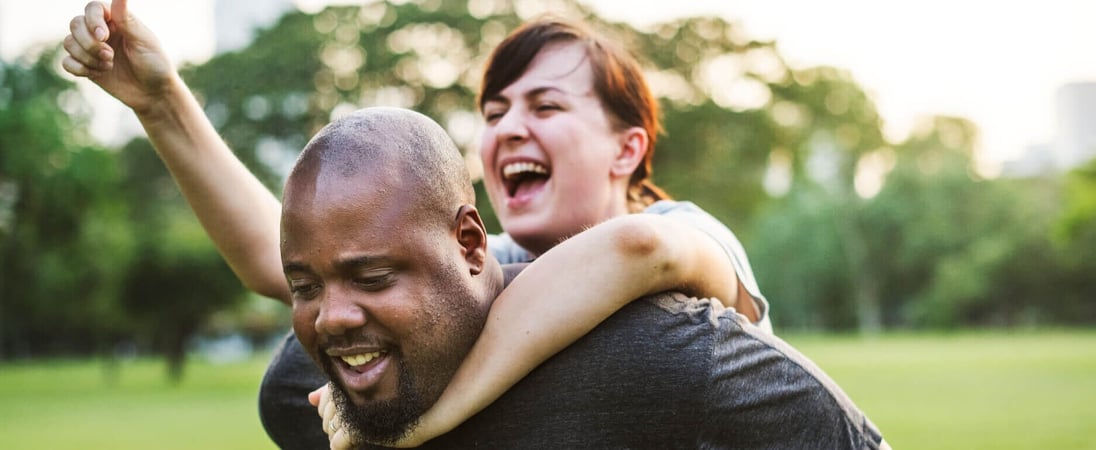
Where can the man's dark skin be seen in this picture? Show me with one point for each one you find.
(389, 271)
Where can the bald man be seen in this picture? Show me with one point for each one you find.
(386, 258)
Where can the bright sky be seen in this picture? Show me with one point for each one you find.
(997, 63)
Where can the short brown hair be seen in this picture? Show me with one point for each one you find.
(618, 81)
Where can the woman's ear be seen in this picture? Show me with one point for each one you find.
(630, 152)
(471, 235)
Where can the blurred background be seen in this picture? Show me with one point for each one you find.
(915, 184)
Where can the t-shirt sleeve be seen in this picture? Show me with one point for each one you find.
(696, 217)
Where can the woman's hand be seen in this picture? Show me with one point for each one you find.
(336, 433)
(109, 46)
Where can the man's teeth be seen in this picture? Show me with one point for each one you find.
(357, 360)
(512, 169)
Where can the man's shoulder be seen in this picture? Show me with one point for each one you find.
(638, 366)
(695, 314)
(752, 379)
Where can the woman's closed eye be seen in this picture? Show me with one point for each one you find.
(493, 112)
(547, 108)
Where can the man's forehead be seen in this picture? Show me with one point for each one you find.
(330, 184)
(348, 261)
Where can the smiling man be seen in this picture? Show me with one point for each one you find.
(385, 257)
(392, 283)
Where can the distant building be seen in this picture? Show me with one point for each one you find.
(1075, 130)
(1037, 160)
(1074, 141)
(238, 20)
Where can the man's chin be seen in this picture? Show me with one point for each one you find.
(379, 421)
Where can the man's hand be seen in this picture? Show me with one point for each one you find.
(115, 50)
(321, 399)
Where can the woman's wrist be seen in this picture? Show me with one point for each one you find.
(165, 105)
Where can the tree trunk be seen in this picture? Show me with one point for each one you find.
(865, 282)
(175, 354)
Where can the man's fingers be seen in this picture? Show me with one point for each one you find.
(96, 16)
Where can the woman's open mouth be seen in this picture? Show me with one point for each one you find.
(524, 179)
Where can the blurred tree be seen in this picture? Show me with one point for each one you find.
(929, 234)
(937, 246)
(845, 230)
(730, 102)
(64, 240)
(1074, 238)
(801, 262)
(1079, 216)
(94, 249)
(178, 279)
(732, 105)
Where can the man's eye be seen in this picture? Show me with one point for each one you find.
(303, 290)
(374, 283)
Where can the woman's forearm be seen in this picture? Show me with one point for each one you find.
(567, 292)
(237, 211)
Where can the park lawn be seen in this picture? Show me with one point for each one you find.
(971, 390)
(69, 404)
(999, 390)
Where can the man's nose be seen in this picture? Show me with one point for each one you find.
(339, 312)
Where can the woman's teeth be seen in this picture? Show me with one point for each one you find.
(512, 169)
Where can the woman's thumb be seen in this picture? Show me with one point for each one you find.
(118, 12)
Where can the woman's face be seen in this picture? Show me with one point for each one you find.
(547, 149)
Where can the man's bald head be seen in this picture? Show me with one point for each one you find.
(386, 259)
(394, 144)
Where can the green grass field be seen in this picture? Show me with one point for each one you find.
(1025, 390)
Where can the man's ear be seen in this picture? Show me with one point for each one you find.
(630, 153)
(472, 238)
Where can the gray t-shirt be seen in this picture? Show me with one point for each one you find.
(666, 372)
(292, 423)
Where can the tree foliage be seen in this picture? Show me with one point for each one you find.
(97, 246)
(61, 235)
(845, 230)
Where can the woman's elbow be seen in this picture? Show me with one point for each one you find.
(644, 238)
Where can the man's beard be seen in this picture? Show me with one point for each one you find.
(452, 324)
(383, 421)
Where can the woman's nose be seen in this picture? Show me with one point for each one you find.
(511, 127)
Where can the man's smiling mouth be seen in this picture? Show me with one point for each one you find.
(361, 359)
